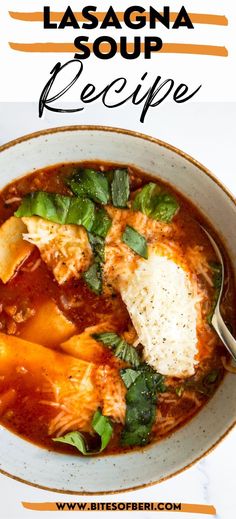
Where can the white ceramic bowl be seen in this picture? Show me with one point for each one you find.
(60, 472)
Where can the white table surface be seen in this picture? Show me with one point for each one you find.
(207, 132)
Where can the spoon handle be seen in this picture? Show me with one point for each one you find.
(224, 333)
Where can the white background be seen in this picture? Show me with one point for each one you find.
(204, 128)
(23, 75)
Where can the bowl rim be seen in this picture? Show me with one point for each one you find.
(220, 184)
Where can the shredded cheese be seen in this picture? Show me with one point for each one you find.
(64, 248)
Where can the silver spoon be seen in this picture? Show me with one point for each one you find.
(217, 320)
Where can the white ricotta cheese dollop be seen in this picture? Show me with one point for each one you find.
(161, 300)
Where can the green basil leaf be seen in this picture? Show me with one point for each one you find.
(58, 208)
(217, 280)
(92, 184)
(205, 385)
(98, 246)
(135, 241)
(50, 206)
(109, 175)
(211, 377)
(101, 425)
(128, 376)
(25, 207)
(128, 353)
(119, 346)
(76, 439)
(217, 274)
(102, 222)
(155, 381)
(143, 199)
(155, 203)
(141, 403)
(179, 391)
(108, 338)
(93, 277)
(120, 188)
(81, 212)
(165, 208)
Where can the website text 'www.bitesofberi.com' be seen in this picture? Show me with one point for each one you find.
(120, 507)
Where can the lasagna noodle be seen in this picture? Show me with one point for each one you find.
(13, 249)
(64, 383)
(71, 387)
(84, 346)
(49, 326)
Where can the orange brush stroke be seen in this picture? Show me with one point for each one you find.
(185, 507)
(211, 19)
(168, 48)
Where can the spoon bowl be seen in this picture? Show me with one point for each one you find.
(217, 320)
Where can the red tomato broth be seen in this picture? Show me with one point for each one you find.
(29, 289)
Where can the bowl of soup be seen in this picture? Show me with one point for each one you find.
(111, 375)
